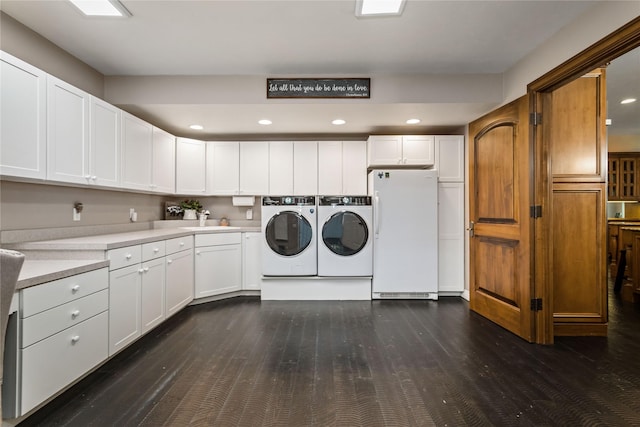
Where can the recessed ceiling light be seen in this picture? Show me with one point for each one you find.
(628, 101)
(196, 127)
(101, 7)
(379, 7)
(338, 122)
(413, 121)
(264, 122)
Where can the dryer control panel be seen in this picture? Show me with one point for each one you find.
(289, 201)
(345, 201)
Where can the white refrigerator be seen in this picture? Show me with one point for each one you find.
(405, 233)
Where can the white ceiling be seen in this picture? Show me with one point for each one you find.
(301, 38)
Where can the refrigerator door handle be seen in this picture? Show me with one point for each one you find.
(376, 213)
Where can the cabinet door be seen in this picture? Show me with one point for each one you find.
(190, 166)
(254, 168)
(252, 261)
(218, 270)
(329, 168)
(450, 158)
(418, 150)
(163, 166)
(152, 294)
(223, 168)
(124, 307)
(179, 281)
(137, 139)
(305, 168)
(23, 122)
(52, 364)
(354, 168)
(384, 150)
(627, 186)
(451, 237)
(280, 168)
(104, 143)
(67, 132)
(613, 165)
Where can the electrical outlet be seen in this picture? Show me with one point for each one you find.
(249, 213)
(76, 215)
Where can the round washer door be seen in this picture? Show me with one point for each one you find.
(288, 233)
(345, 233)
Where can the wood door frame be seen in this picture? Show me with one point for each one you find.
(602, 52)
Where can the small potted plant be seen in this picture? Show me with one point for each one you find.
(191, 207)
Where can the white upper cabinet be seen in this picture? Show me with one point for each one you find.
(450, 158)
(329, 168)
(67, 132)
(281, 165)
(164, 162)
(354, 168)
(398, 150)
(137, 137)
(223, 168)
(305, 168)
(254, 168)
(104, 143)
(23, 122)
(190, 166)
(342, 168)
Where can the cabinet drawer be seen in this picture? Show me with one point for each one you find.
(50, 322)
(51, 364)
(52, 294)
(153, 250)
(218, 239)
(179, 244)
(124, 257)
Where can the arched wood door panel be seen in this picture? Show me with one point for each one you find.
(500, 252)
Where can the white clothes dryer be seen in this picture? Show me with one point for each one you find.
(345, 246)
(289, 245)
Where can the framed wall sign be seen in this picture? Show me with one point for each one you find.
(319, 88)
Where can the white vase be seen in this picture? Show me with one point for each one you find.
(190, 214)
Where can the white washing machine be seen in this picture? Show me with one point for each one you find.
(345, 245)
(289, 245)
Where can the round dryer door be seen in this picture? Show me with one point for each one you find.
(288, 233)
(345, 233)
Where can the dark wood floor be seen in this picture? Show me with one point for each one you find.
(388, 363)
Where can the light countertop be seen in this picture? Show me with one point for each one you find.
(37, 270)
(42, 271)
(106, 242)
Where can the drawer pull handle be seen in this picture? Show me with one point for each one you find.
(146, 269)
(197, 252)
(181, 243)
(75, 339)
(141, 270)
(128, 256)
(75, 314)
(169, 261)
(75, 289)
(156, 250)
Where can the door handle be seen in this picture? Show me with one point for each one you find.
(471, 228)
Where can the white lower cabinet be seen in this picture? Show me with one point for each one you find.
(179, 274)
(124, 301)
(64, 334)
(218, 264)
(152, 305)
(252, 261)
(451, 237)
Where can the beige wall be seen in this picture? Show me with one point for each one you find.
(31, 206)
(624, 143)
(34, 49)
(596, 23)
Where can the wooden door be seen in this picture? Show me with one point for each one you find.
(500, 165)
